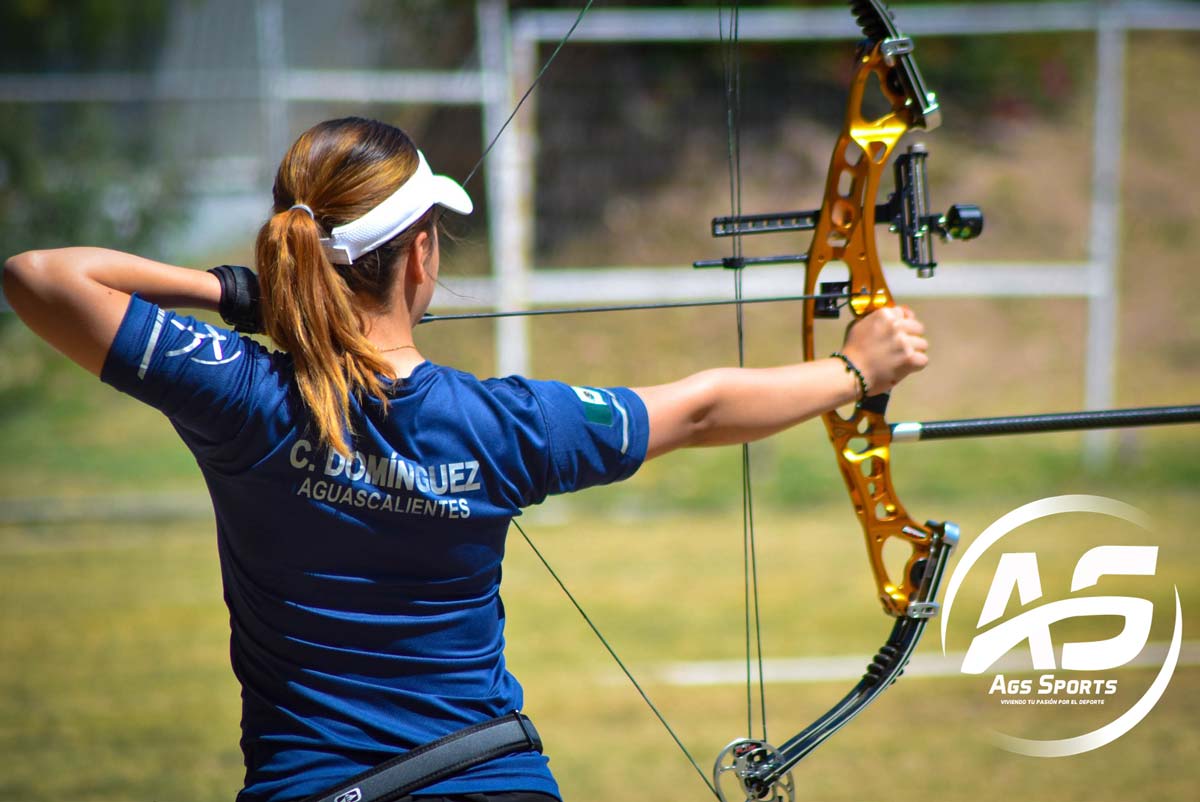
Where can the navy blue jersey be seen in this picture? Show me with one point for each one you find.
(363, 591)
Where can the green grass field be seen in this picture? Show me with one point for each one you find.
(115, 683)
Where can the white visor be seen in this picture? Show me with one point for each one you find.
(417, 195)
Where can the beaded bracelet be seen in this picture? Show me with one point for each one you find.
(852, 368)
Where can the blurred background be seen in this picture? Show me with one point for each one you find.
(155, 126)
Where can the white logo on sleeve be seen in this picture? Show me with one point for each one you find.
(206, 346)
(589, 396)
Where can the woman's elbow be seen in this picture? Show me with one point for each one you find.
(16, 267)
(21, 274)
(705, 397)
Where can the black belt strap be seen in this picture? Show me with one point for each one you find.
(437, 760)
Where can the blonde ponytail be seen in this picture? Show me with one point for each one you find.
(312, 308)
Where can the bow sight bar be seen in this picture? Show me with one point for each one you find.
(905, 213)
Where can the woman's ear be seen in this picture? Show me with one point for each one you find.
(416, 261)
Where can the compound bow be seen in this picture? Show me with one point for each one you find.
(753, 769)
(845, 232)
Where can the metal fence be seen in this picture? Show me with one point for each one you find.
(224, 50)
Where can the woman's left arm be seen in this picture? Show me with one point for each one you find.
(75, 298)
(738, 405)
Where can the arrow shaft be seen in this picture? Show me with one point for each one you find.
(1052, 422)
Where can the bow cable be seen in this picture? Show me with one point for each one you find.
(579, 310)
(532, 85)
(620, 663)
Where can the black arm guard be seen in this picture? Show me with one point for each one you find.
(239, 298)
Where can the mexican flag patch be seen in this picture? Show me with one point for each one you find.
(595, 405)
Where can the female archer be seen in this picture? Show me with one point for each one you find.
(362, 493)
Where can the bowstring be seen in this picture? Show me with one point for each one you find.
(731, 61)
(595, 630)
(620, 663)
(533, 85)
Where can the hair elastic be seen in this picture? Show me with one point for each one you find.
(304, 207)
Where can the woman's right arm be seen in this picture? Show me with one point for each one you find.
(75, 298)
(738, 405)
